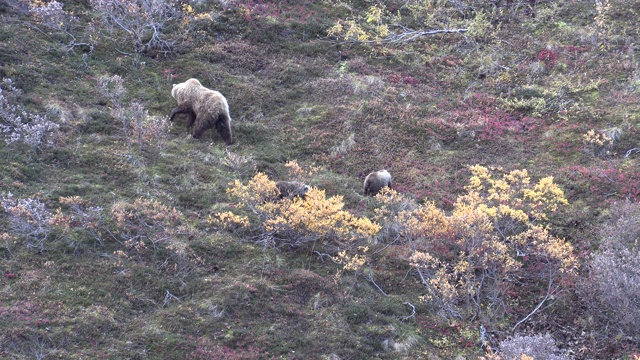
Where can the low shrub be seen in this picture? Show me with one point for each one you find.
(614, 278)
(530, 347)
(491, 249)
(19, 126)
(28, 218)
(292, 221)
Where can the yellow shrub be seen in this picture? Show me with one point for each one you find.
(295, 221)
(228, 220)
(491, 246)
(512, 198)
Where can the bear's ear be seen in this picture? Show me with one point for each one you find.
(174, 85)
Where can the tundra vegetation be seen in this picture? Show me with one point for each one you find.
(510, 127)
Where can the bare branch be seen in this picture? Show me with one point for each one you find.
(169, 297)
(323, 255)
(373, 281)
(413, 311)
(546, 297)
(411, 35)
(631, 151)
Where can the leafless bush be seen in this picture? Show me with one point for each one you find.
(52, 15)
(243, 165)
(137, 125)
(148, 131)
(533, 347)
(28, 218)
(615, 270)
(144, 22)
(80, 216)
(112, 87)
(17, 125)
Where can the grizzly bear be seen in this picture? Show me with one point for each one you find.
(205, 109)
(291, 189)
(375, 181)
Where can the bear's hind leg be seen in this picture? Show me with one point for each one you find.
(199, 128)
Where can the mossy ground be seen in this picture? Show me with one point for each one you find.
(424, 112)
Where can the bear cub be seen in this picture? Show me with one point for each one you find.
(375, 181)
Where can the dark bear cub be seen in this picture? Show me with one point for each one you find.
(375, 181)
(291, 189)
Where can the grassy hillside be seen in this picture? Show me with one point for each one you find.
(112, 242)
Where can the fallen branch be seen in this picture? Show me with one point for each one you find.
(631, 151)
(411, 35)
(406, 36)
(321, 256)
(169, 297)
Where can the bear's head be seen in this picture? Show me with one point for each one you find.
(185, 87)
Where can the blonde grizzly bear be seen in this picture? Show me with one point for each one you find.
(375, 181)
(205, 109)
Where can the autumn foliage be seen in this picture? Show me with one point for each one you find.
(293, 222)
(148, 224)
(475, 261)
(493, 246)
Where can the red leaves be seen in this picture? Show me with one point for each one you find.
(9, 275)
(548, 56)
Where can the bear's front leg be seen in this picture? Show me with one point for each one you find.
(224, 130)
(184, 109)
(191, 118)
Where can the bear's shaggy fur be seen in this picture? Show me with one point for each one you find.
(291, 189)
(205, 109)
(375, 181)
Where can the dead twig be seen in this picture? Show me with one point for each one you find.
(413, 311)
